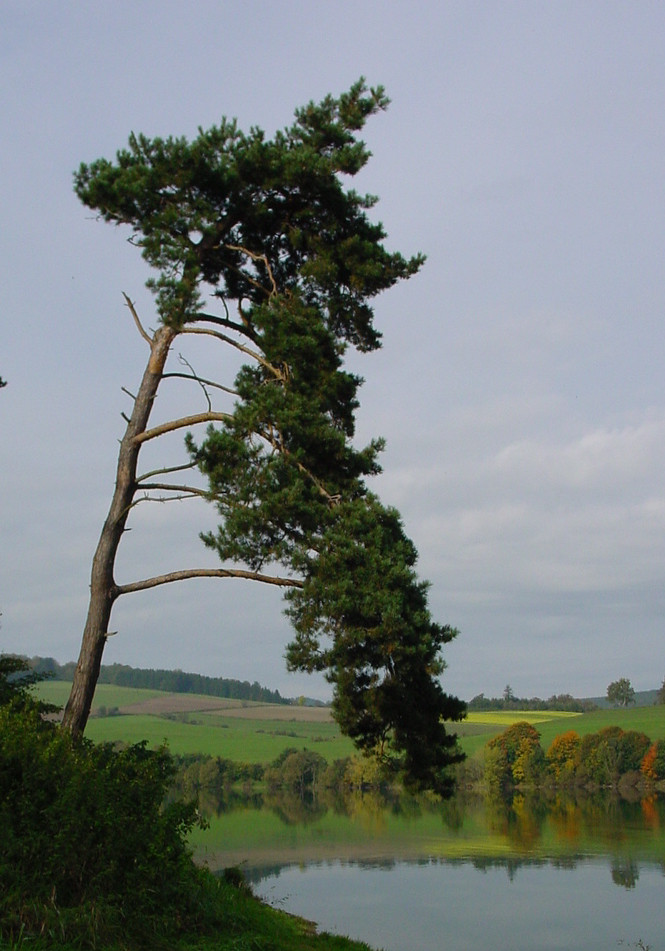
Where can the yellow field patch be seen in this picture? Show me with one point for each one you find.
(507, 717)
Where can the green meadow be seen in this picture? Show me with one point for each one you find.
(236, 738)
(257, 733)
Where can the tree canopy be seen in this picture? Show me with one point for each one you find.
(260, 244)
(620, 692)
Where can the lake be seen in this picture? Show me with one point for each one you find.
(409, 875)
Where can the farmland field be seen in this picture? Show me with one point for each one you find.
(258, 732)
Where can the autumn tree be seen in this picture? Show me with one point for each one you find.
(514, 757)
(653, 762)
(260, 248)
(621, 693)
(562, 754)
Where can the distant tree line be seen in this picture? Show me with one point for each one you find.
(303, 772)
(171, 681)
(562, 701)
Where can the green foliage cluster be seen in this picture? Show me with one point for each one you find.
(302, 771)
(213, 774)
(93, 855)
(516, 758)
(620, 692)
(16, 680)
(88, 851)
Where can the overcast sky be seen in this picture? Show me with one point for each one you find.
(521, 385)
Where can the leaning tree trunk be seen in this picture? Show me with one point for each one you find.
(103, 589)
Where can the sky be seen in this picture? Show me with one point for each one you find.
(521, 383)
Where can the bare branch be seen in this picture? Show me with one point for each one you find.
(197, 378)
(165, 470)
(162, 499)
(136, 319)
(130, 395)
(225, 339)
(200, 379)
(188, 573)
(166, 487)
(182, 423)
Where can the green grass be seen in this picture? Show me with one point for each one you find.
(245, 741)
(649, 720)
(250, 740)
(247, 924)
(106, 695)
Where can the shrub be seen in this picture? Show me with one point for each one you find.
(86, 841)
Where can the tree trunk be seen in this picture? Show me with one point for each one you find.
(103, 589)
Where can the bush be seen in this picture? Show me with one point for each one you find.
(86, 843)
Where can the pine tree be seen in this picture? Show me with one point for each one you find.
(259, 244)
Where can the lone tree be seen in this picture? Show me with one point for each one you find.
(258, 245)
(620, 692)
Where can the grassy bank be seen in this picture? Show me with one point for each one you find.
(248, 924)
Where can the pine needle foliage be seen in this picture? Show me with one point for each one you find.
(261, 243)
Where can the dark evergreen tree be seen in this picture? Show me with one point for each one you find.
(259, 244)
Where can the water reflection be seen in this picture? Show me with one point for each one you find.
(532, 872)
(376, 827)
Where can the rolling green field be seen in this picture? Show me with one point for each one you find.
(257, 733)
(236, 738)
(57, 691)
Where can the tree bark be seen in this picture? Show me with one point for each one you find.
(103, 589)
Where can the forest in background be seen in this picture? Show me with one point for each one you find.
(170, 681)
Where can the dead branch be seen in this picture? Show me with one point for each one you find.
(182, 423)
(190, 490)
(200, 379)
(132, 309)
(277, 373)
(195, 376)
(165, 471)
(162, 499)
(188, 573)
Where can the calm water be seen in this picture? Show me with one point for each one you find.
(456, 906)
(585, 874)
